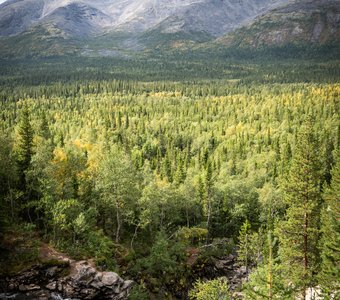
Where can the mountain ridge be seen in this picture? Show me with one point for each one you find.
(118, 27)
(305, 21)
(216, 17)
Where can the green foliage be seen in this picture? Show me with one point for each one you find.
(249, 246)
(192, 236)
(164, 257)
(20, 250)
(117, 183)
(272, 206)
(330, 241)
(266, 280)
(69, 219)
(259, 287)
(299, 231)
(100, 247)
(138, 293)
(116, 161)
(216, 289)
(163, 267)
(24, 147)
(9, 195)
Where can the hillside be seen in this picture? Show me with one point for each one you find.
(50, 28)
(88, 18)
(310, 22)
(127, 28)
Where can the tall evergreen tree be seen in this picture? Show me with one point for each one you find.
(24, 145)
(299, 232)
(330, 242)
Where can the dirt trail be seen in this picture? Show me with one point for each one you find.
(46, 252)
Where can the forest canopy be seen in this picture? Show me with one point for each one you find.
(136, 172)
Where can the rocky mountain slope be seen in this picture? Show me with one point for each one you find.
(305, 21)
(97, 27)
(93, 17)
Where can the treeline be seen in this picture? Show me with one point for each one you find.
(135, 174)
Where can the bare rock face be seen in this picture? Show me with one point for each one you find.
(50, 282)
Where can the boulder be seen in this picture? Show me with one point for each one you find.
(110, 278)
(51, 286)
(84, 273)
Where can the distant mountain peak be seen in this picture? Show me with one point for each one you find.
(215, 17)
(107, 26)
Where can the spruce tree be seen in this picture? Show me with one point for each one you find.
(330, 241)
(24, 146)
(299, 232)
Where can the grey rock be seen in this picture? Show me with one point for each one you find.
(50, 272)
(219, 264)
(51, 286)
(122, 295)
(128, 284)
(110, 278)
(32, 287)
(55, 296)
(85, 273)
(22, 288)
(68, 290)
(88, 293)
(59, 286)
(98, 276)
(96, 284)
(84, 282)
(242, 270)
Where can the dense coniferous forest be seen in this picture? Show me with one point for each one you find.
(140, 163)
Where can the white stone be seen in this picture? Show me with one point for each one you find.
(110, 278)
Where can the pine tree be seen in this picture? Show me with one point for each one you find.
(330, 242)
(299, 232)
(24, 146)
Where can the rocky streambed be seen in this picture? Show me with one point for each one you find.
(58, 277)
(59, 280)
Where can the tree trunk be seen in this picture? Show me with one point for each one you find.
(134, 235)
